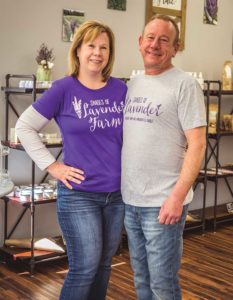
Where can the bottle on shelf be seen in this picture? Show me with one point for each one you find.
(198, 76)
(200, 79)
(227, 75)
(5, 179)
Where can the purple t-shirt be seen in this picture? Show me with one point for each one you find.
(90, 123)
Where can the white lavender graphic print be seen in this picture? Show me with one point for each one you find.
(100, 113)
(77, 107)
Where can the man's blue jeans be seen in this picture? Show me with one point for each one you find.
(155, 253)
(91, 224)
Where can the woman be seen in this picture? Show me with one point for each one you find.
(87, 106)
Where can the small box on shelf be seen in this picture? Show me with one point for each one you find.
(230, 207)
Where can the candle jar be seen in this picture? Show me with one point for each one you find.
(38, 194)
(25, 195)
(48, 194)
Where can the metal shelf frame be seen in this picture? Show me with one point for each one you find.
(12, 90)
(213, 146)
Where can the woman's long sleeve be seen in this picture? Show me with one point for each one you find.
(27, 128)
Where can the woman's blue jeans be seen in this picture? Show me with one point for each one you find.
(155, 253)
(91, 224)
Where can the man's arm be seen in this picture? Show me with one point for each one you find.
(172, 207)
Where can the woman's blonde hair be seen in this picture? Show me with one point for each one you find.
(88, 31)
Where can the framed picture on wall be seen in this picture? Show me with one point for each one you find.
(175, 9)
(71, 20)
(210, 12)
(117, 4)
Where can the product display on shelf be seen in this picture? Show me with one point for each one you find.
(39, 84)
(193, 218)
(47, 244)
(230, 207)
(29, 196)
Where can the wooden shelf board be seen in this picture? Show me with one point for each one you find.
(18, 90)
(24, 254)
(209, 212)
(215, 135)
(18, 146)
(28, 203)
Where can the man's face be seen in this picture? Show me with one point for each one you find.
(157, 46)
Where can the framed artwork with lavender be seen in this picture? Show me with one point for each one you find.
(175, 9)
(210, 12)
(71, 20)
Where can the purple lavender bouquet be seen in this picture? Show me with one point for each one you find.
(45, 57)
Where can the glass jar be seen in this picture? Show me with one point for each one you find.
(48, 194)
(43, 74)
(38, 194)
(4, 178)
(25, 195)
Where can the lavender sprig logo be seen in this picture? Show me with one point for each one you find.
(78, 107)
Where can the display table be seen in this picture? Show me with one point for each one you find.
(6, 189)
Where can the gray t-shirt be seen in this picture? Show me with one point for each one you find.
(159, 108)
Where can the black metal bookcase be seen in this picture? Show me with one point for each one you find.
(219, 213)
(32, 257)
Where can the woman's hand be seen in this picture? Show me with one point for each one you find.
(65, 173)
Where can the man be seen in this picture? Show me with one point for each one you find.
(164, 144)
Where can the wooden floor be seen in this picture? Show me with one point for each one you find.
(206, 273)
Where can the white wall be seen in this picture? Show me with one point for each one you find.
(25, 24)
(207, 46)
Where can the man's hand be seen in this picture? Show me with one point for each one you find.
(170, 211)
(172, 207)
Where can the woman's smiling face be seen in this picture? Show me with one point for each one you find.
(94, 55)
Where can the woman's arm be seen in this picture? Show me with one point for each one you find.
(27, 128)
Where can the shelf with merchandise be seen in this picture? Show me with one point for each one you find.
(18, 146)
(20, 90)
(30, 256)
(23, 255)
(215, 94)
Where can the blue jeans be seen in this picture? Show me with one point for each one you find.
(91, 224)
(155, 253)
